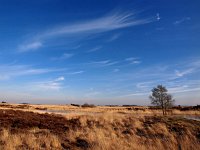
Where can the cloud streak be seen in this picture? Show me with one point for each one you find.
(9, 71)
(94, 49)
(133, 60)
(183, 73)
(109, 22)
(63, 57)
(182, 20)
(103, 63)
(76, 72)
(55, 84)
(30, 46)
(114, 37)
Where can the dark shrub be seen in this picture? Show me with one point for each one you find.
(77, 105)
(88, 105)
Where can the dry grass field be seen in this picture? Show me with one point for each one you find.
(35, 127)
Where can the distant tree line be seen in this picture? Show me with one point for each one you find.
(84, 105)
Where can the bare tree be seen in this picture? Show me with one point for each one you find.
(160, 97)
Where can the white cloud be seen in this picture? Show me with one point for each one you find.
(189, 67)
(114, 37)
(49, 85)
(145, 85)
(137, 94)
(183, 73)
(8, 71)
(158, 16)
(94, 49)
(60, 78)
(75, 72)
(133, 60)
(107, 23)
(64, 56)
(182, 89)
(30, 46)
(112, 21)
(103, 63)
(182, 20)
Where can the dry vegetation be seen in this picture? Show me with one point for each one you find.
(75, 110)
(116, 128)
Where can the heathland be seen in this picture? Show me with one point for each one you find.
(58, 127)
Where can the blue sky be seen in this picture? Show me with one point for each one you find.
(100, 52)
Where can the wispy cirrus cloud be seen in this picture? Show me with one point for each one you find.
(30, 46)
(102, 63)
(91, 93)
(9, 71)
(94, 49)
(61, 78)
(189, 68)
(158, 16)
(178, 89)
(144, 85)
(142, 80)
(133, 60)
(55, 84)
(75, 72)
(109, 22)
(136, 94)
(114, 37)
(184, 72)
(177, 22)
(63, 56)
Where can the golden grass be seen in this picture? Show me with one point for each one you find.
(33, 139)
(121, 132)
(142, 110)
(102, 127)
(109, 131)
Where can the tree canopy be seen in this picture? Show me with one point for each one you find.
(160, 97)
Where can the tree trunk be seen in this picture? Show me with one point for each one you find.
(163, 110)
(166, 107)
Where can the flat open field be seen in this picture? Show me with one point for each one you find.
(24, 126)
